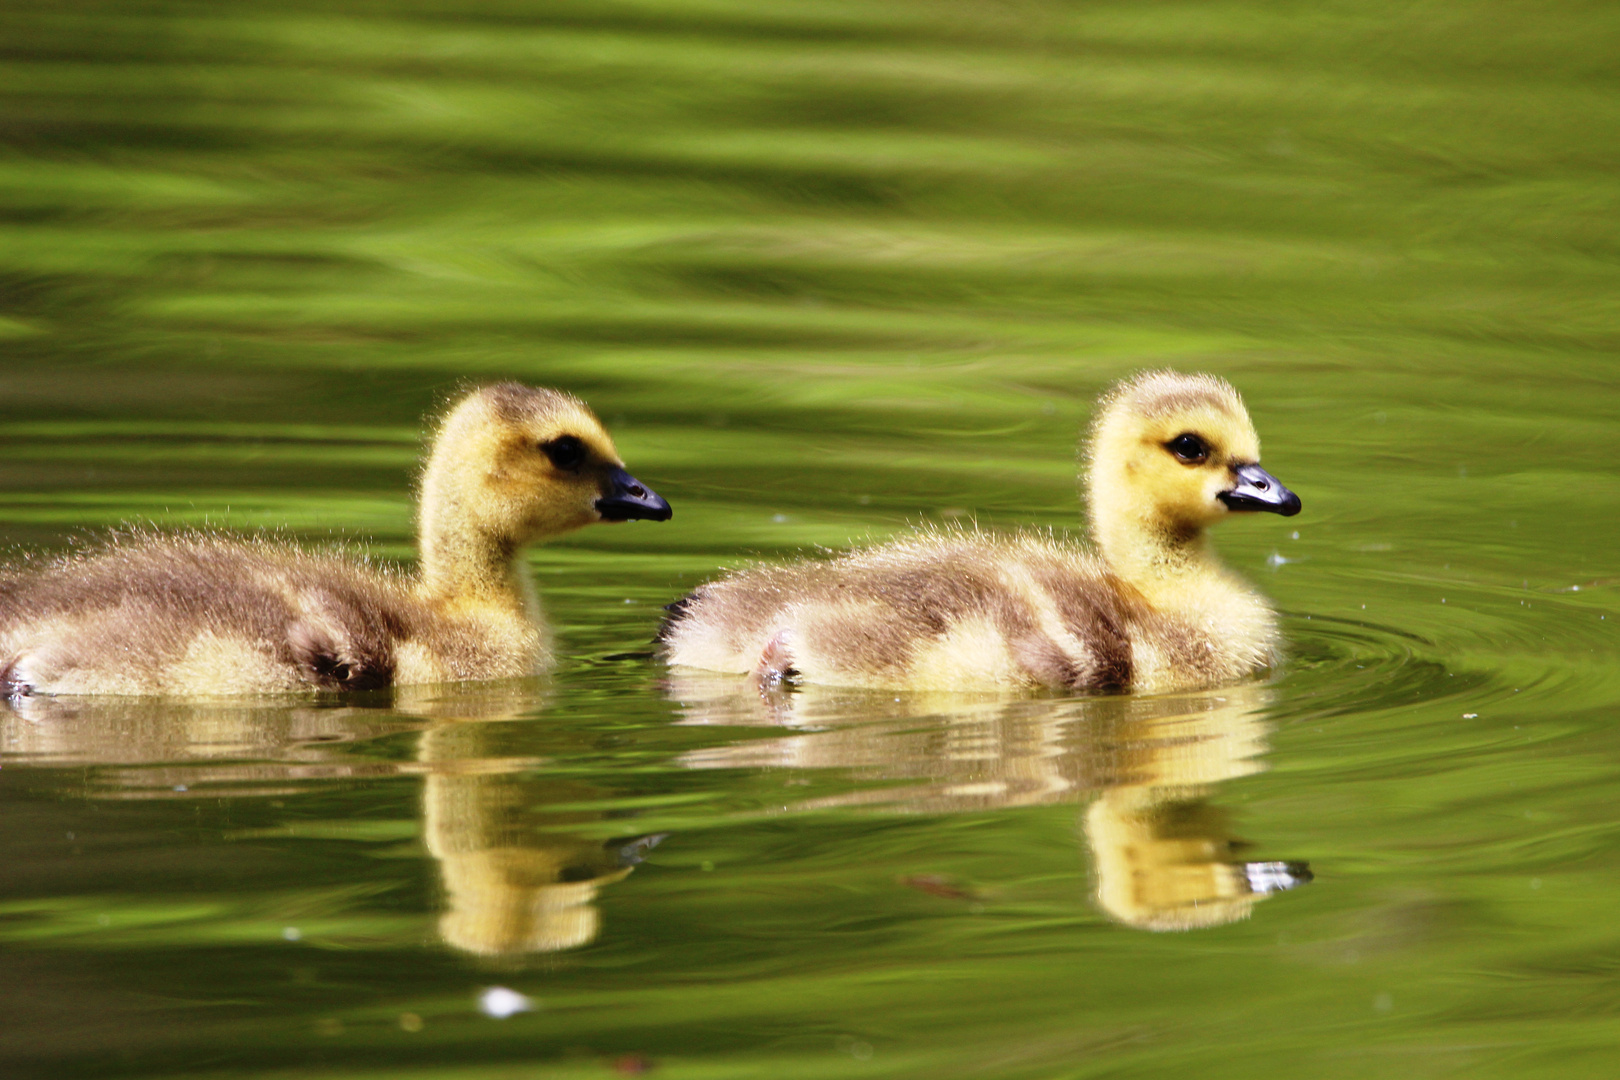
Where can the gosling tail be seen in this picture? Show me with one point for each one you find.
(677, 611)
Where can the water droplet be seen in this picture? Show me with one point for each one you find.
(501, 1002)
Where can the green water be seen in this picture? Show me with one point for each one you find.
(828, 269)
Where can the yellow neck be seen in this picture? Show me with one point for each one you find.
(461, 572)
(1152, 556)
(463, 566)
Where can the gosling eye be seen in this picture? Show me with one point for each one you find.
(1189, 449)
(565, 451)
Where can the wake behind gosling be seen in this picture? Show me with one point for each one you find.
(201, 613)
(1148, 606)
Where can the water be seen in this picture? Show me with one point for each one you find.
(826, 270)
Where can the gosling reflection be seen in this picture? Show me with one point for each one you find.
(151, 748)
(1163, 855)
(516, 880)
(520, 874)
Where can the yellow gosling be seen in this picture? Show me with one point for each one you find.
(1151, 608)
(199, 613)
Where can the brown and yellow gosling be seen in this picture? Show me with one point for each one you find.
(1151, 609)
(204, 614)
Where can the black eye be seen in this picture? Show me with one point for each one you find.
(1189, 449)
(565, 452)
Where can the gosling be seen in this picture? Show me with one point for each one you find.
(205, 614)
(1152, 609)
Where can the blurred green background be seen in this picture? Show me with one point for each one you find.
(828, 268)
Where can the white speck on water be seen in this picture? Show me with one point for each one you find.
(500, 1002)
(1275, 560)
(1470, 716)
(180, 787)
(1296, 534)
(779, 518)
(291, 933)
(1442, 599)
(1383, 1003)
(859, 1049)
(628, 600)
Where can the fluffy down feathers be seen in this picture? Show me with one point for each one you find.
(964, 610)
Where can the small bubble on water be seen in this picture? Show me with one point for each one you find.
(501, 1002)
(779, 518)
(1470, 716)
(291, 933)
(859, 1049)
(1296, 534)
(180, 787)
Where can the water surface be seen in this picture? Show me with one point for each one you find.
(829, 270)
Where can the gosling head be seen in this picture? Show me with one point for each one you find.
(512, 464)
(1172, 454)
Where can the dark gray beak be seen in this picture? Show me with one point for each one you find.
(1258, 490)
(628, 499)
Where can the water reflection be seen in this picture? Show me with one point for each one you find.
(1163, 854)
(517, 878)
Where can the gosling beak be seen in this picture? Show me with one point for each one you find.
(628, 499)
(1258, 490)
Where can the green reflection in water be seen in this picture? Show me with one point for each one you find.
(826, 269)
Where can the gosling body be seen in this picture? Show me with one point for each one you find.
(1148, 607)
(206, 614)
